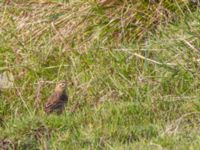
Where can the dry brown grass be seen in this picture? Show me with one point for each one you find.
(85, 23)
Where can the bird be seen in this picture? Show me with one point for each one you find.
(56, 102)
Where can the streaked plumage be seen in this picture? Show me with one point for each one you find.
(56, 102)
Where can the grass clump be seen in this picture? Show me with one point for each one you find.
(80, 24)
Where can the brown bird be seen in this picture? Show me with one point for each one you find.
(56, 102)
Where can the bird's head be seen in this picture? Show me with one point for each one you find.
(61, 86)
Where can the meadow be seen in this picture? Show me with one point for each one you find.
(132, 70)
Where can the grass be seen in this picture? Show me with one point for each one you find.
(135, 87)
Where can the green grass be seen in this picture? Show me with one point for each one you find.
(137, 87)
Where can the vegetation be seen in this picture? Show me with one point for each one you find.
(132, 71)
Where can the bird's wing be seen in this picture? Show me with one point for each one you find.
(56, 102)
(53, 101)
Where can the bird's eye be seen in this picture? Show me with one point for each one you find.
(62, 85)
